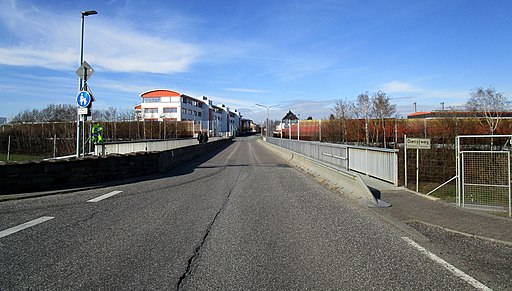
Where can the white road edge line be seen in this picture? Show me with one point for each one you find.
(24, 225)
(104, 196)
(470, 280)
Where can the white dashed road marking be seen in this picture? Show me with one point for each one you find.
(472, 281)
(24, 226)
(104, 196)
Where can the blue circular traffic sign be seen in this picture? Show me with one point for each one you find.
(83, 99)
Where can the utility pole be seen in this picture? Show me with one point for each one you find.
(80, 118)
(268, 116)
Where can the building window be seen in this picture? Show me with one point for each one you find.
(183, 111)
(189, 112)
(151, 100)
(151, 110)
(170, 110)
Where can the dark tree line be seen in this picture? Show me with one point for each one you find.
(68, 113)
(52, 113)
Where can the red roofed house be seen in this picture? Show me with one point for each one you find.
(166, 105)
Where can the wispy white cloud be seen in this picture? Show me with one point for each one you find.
(37, 57)
(110, 44)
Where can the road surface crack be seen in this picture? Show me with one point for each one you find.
(191, 264)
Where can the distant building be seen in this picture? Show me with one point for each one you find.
(456, 114)
(248, 125)
(3, 120)
(168, 105)
(290, 117)
(286, 121)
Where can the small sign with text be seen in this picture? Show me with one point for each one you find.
(418, 143)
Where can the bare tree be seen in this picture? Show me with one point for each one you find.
(490, 104)
(51, 113)
(109, 114)
(383, 109)
(126, 114)
(343, 110)
(364, 107)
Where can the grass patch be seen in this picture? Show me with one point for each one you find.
(447, 192)
(19, 158)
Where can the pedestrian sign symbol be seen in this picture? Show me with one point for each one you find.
(83, 99)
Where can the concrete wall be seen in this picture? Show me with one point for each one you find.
(107, 148)
(50, 175)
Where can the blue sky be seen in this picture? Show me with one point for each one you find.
(302, 55)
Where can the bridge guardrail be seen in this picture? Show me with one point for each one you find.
(375, 162)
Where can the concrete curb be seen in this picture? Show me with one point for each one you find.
(507, 243)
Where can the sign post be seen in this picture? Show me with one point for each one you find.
(415, 143)
(85, 71)
(84, 101)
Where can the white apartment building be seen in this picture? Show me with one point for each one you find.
(168, 105)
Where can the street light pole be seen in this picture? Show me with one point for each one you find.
(79, 118)
(268, 115)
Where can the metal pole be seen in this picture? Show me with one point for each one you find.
(267, 123)
(54, 145)
(457, 172)
(9, 148)
(90, 132)
(298, 129)
(83, 137)
(268, 117)
(417, 169)
(320, 135)
(462, 190)
(509, 193)
(405, 160)
(78, 119)
(289, 129)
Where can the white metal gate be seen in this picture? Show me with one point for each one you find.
(483, 174)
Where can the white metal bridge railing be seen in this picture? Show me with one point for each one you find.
(376, 162)
(144, 146)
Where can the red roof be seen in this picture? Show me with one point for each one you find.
(159, 93)
(419, 113)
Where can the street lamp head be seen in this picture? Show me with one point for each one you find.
(89, 12)
(268, 107)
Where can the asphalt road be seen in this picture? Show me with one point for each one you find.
(242, 219)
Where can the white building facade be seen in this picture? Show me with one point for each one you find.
(167, 105)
